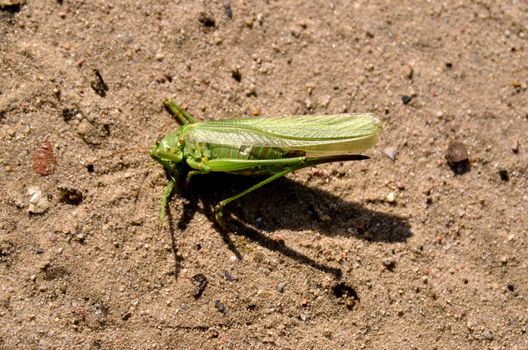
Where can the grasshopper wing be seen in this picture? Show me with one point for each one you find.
(314, 135)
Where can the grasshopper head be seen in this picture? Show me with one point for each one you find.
(167, 151)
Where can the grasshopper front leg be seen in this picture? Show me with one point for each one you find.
(167, 193)
(178, 112)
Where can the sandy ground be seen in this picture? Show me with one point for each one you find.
(320, 260)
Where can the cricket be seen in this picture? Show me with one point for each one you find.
(264, 146)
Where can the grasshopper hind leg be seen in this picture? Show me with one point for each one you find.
(218, 210)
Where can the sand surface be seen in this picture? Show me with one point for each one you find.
(378, 254)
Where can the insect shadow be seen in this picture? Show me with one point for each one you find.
(286, 204)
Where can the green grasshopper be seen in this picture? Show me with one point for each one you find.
(272, 146)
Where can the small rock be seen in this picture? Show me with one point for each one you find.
(406, 99)
(457, 157)
(44, 160)
(219, 306)
(254, 110)
(390, 152)
(515, 147)
(38, 204)
(391, 197)
(260, 18)
(98, 84)
(200, 283)
(248, 21)
(519, 85)
(228, 10)
(228, 277)
(457, 153)
(389, 263)
(217, 39)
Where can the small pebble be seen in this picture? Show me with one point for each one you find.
(228, 10)
(38, 204)
(389, 263)
(390, 152)
(248, 21)
(217, 39)
(406, 99)
(515, 147)
(98, 84)
(255, 111)
(219, 306)
(391, 197)
(200, 283)
(228, 277)
(457, 157)
(457, 153)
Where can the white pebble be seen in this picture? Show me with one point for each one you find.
(390, 152)
(37, 203)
